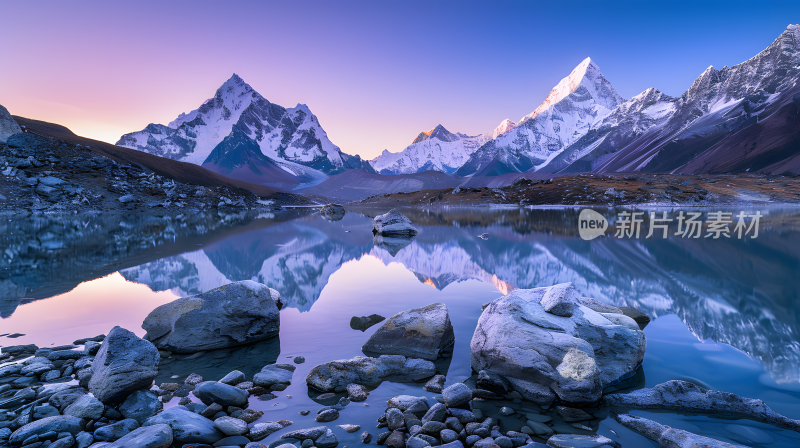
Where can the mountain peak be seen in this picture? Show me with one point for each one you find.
(504, 126)
(586, 74)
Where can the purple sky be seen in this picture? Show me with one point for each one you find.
(374, 73)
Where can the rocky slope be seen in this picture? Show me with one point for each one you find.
(239, 130)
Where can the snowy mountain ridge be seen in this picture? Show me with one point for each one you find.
(237, 118)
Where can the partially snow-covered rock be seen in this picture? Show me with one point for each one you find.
(393, 224)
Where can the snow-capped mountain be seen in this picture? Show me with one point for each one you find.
(578, 101)
(437, 149)
(649, 110)
(238, 131)
(734, 119)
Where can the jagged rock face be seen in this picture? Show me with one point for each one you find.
(703, 131)
(437, 149)
(238, 116)
(630, 120)
(578, 101)
(231, 315)
(8, 126)
(549, 337)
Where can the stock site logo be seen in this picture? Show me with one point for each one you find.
(591, 224)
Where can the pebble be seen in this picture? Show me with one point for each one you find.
(506, 411)
(366, 437)
(350, 428)
(299, 360)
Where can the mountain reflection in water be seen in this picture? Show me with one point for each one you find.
(738, 292)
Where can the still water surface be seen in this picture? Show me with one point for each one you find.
(725, 311)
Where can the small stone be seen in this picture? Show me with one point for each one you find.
(448, 435)
(231, 426)
(503, 442)
(326, 396)
(305, 412)
(193, 379)
(572, 414)
(350, 428)
(457, 395)
(366, 437)
(299, 359)
(327, 415)
(416, 442)
(435, 384)
(233, 378)
(395, 419)
(356, 392)
(506, 411)
(260, 431)
(328, 440)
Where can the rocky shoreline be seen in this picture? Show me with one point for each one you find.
(548, 366)
(48, 175)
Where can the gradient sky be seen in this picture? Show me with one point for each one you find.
(375, 73)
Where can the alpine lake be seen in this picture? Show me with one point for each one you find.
(725, 312)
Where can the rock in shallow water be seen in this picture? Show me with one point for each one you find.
(364, 322)
(235, 314)
(223, 394)
(416, 333)
(125, 363)
(57, 424)
(667, 436)
(393, 223)
(368, 371)
(575, 357)
(683, 396)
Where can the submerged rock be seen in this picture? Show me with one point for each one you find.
(418, 333)
(579, 441)
(332, 212)
(546, 343)
(669, 437)
(235, 314)
(364, 322)
(336, 375)
(683, 396)
(393, 224)
(124, 364)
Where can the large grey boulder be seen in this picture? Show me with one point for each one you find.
(686, 397)
(125, 363)
(336, 375)
(670, 437)
(235, 314)
(8, 126)
(155, 436)
(57, 424)
(186, 426)
(416, 333)
(393, 224)
(572, 350)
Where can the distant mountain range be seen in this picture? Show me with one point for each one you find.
(736, 119)
(239, 134)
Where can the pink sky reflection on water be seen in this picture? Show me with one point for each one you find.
(93, 307)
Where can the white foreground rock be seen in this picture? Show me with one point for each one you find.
(571, 352)
(394, 224)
